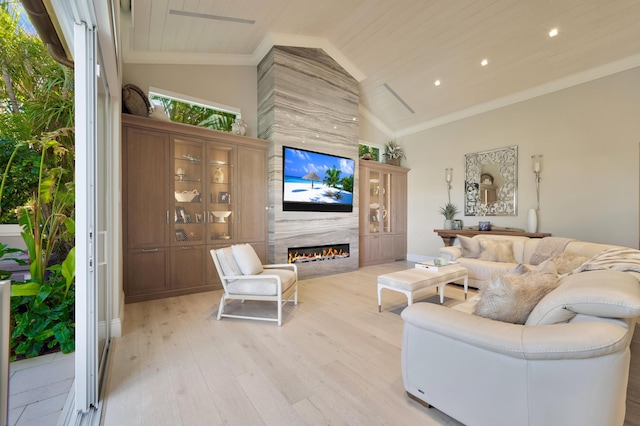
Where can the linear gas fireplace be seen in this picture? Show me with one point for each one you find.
(318, 253)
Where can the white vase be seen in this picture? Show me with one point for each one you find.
(448, 224)
(532, 220)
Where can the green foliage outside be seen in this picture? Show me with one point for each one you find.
(36, 191)
(371, 150)
(183, 112)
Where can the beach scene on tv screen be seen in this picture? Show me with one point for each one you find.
(311, 177)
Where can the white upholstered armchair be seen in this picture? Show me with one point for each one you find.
(244, 277)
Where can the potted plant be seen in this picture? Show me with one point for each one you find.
(449, 211)
(393, 153)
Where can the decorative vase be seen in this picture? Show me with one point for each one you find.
(484, 226)
(218, 176)
(393, 161)
(532, 220)
(239, 127)
(448, 224)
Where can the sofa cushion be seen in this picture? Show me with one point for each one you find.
(496, 251)
(512, 297)
(609, 294)
(247, 259)
(470, 246)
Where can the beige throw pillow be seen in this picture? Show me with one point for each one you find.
(470, 247)
(511, 298)
(497, 251)
(247, 259)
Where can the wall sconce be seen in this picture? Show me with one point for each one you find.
(536, 166)
(448, 176)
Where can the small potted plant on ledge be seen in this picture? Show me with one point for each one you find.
(393, 153)
(449, 211)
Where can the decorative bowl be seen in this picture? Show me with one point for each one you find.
(221, 215)
(186, 196)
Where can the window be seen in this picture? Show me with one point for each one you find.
(182, 109)
(373, 151)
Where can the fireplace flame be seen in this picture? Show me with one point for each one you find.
(317, 255)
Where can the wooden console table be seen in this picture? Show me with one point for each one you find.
(449, 235)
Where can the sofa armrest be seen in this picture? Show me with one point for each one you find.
(450, 252)
(557, 341)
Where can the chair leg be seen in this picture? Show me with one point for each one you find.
(279, 312)
(221, 308)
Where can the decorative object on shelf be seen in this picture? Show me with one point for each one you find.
(181, 235)
(239, 127)
(221, 216)
(456, 224)
(448, 211)
(484, 225)
(448, 176)
(224, 197)
(135, 101)
(180, 173)
(218, 176)
(532, 220)
(532, 214)
(191, 158)
(186, 196)
(393, 153)
(501, 165)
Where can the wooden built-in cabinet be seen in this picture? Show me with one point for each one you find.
(187, 190)
(383, 213)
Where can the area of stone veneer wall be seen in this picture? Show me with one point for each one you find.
(307, 100)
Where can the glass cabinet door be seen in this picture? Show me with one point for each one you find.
(376, 202)
(188, 213)
(220, 203)
(379, 202)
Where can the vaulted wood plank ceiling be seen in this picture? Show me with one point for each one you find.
(398, 49)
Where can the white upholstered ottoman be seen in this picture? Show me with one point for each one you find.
(411, 281)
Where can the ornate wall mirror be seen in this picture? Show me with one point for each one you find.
(491, 182)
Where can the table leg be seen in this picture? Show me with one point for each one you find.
(379, 298)
(466, 286)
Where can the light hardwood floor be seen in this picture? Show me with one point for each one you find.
(335, 360)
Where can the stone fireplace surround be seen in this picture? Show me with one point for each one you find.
(307, 100)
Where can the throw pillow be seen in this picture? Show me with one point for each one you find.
(247, 259)
(511, 298)
(228, 262)
(567, 262)
(470, 246)
(496, 251)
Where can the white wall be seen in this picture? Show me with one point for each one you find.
(235, 86)
(589, 136)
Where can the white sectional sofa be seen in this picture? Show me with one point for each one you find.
(567, 364)
(523, 249)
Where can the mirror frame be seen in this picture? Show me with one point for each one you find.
(507, 200)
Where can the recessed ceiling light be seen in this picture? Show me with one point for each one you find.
(437, 82)
(484, 62)
(553, 32)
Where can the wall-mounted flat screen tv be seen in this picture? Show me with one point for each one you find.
(314, 181)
